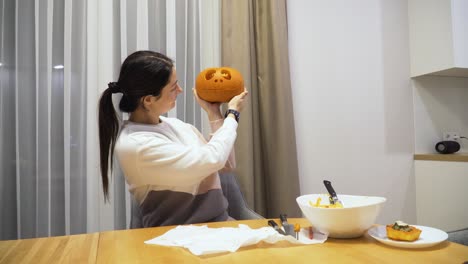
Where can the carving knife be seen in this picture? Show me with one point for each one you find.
(334, 198)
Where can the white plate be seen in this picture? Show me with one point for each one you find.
(428, 238)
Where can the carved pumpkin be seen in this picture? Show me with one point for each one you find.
(219, 84)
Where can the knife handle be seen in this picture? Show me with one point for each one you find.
(329, 187)
(273, 224)
(284, 219)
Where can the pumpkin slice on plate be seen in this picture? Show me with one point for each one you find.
(402, 232)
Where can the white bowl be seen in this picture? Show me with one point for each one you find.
(357, 216)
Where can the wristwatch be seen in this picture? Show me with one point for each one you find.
(234, 112)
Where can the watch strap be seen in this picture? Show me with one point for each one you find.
(234, 112)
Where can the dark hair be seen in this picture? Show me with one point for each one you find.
(142, 73)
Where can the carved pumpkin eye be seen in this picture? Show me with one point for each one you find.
(226, 74)
(210, 74)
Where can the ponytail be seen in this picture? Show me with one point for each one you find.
(108, 131)
(142, 73)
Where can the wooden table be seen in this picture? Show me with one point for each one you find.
(126, 246)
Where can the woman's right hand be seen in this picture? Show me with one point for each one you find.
(238, 101)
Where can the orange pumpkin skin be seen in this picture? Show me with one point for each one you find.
(219, 84)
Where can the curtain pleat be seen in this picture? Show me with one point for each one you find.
(92, 170)
(209, 34)
(142, 25)
(76, 68)
(120, 199)
(171, 40)
(57, 180)
(157, 25)
(9, 215)
(25, 120)
(182, 40)
(43, 78)
(68, 17)
(254, 40)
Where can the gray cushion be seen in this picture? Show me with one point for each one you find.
(460, 236)
(135, 214)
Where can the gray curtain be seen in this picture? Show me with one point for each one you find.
(56, 57)
(42, 129)
(255, 41)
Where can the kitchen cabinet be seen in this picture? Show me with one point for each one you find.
(442, 191)
(438, 33)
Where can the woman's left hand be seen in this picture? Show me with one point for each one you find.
(212, 109)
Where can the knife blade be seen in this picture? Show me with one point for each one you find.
(288, 228)
(334, 198)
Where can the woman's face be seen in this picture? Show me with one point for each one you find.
(168, 97)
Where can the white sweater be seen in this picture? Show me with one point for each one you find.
(172, 170)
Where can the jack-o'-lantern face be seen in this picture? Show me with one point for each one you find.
(219, 84)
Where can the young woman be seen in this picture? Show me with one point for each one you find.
(172, 171)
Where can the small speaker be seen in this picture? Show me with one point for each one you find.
(447, 147)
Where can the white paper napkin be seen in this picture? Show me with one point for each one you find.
(201, 240)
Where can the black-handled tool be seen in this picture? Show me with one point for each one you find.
(288, 228)
(334, 198)
(273, 224)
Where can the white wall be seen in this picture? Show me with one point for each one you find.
(353, 100)
(440, 105)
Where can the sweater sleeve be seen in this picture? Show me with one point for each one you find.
(231, 161)
(164, 162)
